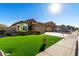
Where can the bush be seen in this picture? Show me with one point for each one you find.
(21, 33)
(30, 32)
(2, 32)
(9, 50)
(37, 32)
(8, 34)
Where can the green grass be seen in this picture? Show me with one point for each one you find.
(25, 45)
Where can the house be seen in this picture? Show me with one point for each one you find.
(3, 29)
(62, 29)
(31, 24)
(57, 29)
(50, 26)
(19, 26)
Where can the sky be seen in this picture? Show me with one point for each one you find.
(13, 12)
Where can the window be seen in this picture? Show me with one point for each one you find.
(18, 28)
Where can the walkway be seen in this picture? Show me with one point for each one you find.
(65, 47)
(1, 53)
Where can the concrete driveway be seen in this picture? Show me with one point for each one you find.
(65, 47)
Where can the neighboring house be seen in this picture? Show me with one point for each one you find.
(58, 29)
(31, 24)
(3, 29)
(50, 26)
(63, 29)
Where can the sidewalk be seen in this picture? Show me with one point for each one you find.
(65, 47)
(1, 53)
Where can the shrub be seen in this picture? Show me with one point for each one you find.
(21, 33)
(2, 32)
(9, 50)
(29, 32)
(37, 32)
(8, 34)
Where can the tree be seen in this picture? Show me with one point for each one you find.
(42, 48)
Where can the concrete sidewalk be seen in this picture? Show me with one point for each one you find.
(2, 53)
(65, 47)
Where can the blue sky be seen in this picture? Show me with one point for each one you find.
(10, 13)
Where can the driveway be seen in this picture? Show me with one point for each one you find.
(56, 34)
(65, 47)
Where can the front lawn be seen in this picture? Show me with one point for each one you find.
(25, 45)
